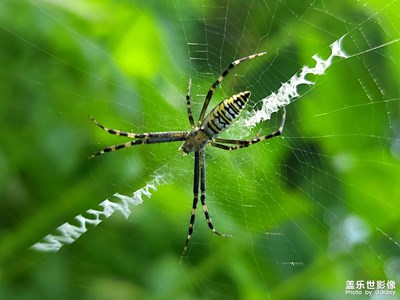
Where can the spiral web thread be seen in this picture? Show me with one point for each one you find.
(69, 233)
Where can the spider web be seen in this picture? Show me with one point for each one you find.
(308, 211)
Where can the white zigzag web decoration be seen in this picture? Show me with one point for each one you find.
(69, 233)
(288, 90)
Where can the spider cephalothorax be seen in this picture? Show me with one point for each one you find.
(196, 140)
(205, 133)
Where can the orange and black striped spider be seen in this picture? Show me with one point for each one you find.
(204, 134)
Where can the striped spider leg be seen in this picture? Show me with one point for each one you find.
(141, 138)
(205, 133)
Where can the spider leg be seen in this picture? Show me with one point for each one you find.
(219, 80)
(118, 132)
(163, 137)
(219, 143)
(189, 107)
(199, 167)
(195, 200)
(203, 194)
(142, 138)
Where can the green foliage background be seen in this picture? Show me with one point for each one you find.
(127, 63)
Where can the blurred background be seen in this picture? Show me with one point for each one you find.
(310, 212)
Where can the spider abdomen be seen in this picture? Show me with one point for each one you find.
(224, 114)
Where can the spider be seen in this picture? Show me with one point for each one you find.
(204, 134)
